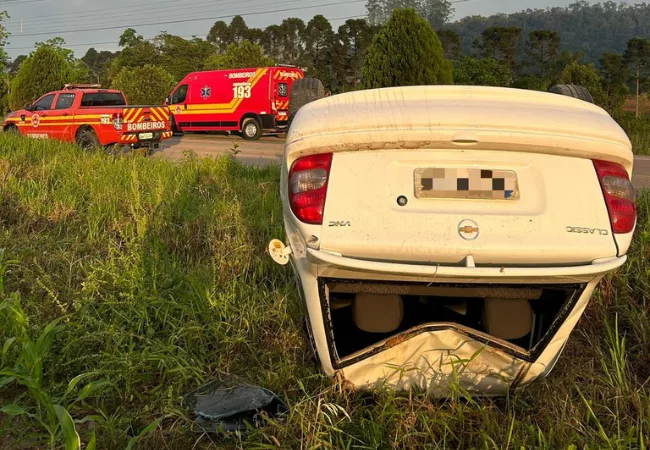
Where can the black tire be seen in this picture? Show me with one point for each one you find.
(12, 129)
(572, 90)
(251, 129)
(303, 91)
(87, 139)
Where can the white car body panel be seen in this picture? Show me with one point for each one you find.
(378, 138)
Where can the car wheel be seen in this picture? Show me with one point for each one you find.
(572, 90)
(251, 130)
(304, 91)
(12, 129)
(87, 139)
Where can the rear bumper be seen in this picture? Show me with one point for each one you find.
(133, 139)
(597, 268)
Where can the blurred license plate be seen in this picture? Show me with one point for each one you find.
(466, 183)
(144, 136)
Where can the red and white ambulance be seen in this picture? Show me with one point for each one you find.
(249, 101)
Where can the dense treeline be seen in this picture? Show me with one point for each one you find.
(592, 29)
(595, 45)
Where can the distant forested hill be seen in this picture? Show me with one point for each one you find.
(589, 28)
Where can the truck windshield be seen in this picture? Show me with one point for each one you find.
(103, 99)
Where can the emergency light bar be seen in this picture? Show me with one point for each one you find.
(82, 86)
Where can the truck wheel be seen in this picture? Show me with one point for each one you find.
(87, 139)
(304, 91)
(251, 130)
(572, 90)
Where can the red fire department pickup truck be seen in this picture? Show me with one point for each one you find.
(91, 117)
(249, 101)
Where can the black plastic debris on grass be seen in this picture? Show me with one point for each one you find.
(231, 406)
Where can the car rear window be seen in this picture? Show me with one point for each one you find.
(103, 99)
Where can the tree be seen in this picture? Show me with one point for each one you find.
(542, 48)
(481, 72)
(500, 43)
(4, 95)
(437, 12)
(99, 64)
(243, 56)
(181, 56)
(593, 27)
(15, 65)
(319, 39)
(4, 36)
(44, 70)
(354, 37)
(130, 38)
(450, 41)
(238, 30)
(219, 35)
(637, 57)
(587, 76)
(406, 52)
(292, 40)
(57, 43)
(147, 85)
(136, 52)
(614, 74)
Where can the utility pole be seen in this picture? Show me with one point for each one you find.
(21, 24)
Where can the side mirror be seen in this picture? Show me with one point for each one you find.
(29, 107)
(167, 101)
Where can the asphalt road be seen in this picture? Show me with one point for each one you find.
(268, 150)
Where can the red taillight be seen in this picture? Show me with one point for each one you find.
(619, 195)
(308, 179)
(118, 121)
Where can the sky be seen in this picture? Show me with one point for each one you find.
(100, 22)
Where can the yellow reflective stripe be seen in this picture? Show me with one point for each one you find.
(223, 108)
(138, 117)
(41, 124)
(156, 114)
(165, 113)
(130, 113)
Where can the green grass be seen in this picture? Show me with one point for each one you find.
(637, 129)
(155, 276)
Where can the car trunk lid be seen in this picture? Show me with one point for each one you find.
(439, 206)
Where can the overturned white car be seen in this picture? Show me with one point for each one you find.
(451, 234)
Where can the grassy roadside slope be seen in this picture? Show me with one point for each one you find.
(157, 276)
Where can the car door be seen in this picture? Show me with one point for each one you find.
(61, 117)
(178, 103)
(40, 120)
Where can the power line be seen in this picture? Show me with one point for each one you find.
(165, 12)
(102, 13)
(21, 3)
(169, 22)
(358, 16)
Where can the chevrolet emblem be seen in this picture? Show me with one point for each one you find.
(468, 230)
